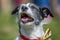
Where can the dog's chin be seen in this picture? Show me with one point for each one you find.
(27, 24)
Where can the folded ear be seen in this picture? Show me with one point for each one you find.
(15, 11)
(46, 12)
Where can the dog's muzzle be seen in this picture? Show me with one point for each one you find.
(25, 18)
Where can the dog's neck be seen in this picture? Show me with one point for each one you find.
(32, 31)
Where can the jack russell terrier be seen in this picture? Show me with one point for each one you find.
(31, 20)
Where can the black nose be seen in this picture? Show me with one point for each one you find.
(24, 8)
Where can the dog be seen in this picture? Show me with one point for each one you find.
(30, 21)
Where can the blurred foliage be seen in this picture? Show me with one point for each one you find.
(8, 27)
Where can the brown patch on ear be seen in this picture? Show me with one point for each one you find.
(46, 12)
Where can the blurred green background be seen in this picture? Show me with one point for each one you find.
(9, 26)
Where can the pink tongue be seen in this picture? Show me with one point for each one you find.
(25, 19)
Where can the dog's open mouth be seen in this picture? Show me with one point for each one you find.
(25, 18)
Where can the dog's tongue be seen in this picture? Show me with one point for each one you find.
(25, 19)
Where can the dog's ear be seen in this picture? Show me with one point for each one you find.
(15, 11)
(46, 12)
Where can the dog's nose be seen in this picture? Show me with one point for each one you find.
(24, 8)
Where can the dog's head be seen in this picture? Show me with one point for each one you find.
(29, 14)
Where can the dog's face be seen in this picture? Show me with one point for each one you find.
(29, 14)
